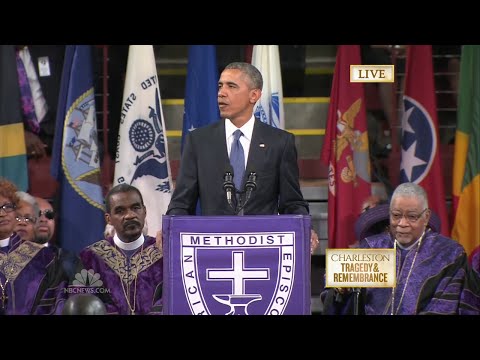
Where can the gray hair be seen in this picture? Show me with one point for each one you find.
(29, 199)
(253, 74)
(411, 190)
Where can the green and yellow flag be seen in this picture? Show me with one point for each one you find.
(466, 165)
(13, 158)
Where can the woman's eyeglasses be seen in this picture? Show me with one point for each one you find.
(8, 207)
(26, 219)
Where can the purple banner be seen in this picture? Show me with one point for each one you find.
(236, 265)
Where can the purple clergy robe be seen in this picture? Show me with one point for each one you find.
(138, 279)
(35, 284)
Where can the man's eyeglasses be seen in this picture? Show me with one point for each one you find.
(49, 214)
(27, 219)
(8, 207)
(411, 217)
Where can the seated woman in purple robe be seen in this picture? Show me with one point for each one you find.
(433, 276)
(30, 279)
(128, 266)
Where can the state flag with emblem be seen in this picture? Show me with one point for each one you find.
(75, 154)
(269, 108)
(345, 150)
(420, 162)
(142, 151)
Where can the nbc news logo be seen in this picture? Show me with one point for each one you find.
(372, 73)
(87, 282)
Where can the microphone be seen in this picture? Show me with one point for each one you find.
(229, 186)
(250, 185)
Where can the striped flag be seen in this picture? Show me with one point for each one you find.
(466, 165)
(13, 158)
(420, 162)
(142, 155)
(345, 150)
(269, 107)
(75, 155)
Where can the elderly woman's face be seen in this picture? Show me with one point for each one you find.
(26, 219)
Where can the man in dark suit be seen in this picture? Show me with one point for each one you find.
(47, 61)
(267, 151)
(41, 76)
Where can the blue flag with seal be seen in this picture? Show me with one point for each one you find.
(201, 105)
(142, 149)
(75, 157)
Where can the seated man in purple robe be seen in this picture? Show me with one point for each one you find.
(129, 265)
(30, 282)
(433, 276)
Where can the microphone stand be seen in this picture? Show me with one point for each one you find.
(229, 188)
(250, 185)
(240, 210)
(356, 298)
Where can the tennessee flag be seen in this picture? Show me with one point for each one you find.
(75, 156)
(466, 165)
(345, 150)
(420, 162)
(142, 155)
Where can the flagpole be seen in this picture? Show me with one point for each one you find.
(394, 116)
(394, 159)
(106, 171)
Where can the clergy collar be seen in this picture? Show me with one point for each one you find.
(247, 128)
(129, 246)
(411, 245)
(4, 242)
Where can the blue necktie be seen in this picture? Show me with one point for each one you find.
(237, 159)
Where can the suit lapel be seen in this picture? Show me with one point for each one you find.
(256, 154)
(219, 144)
